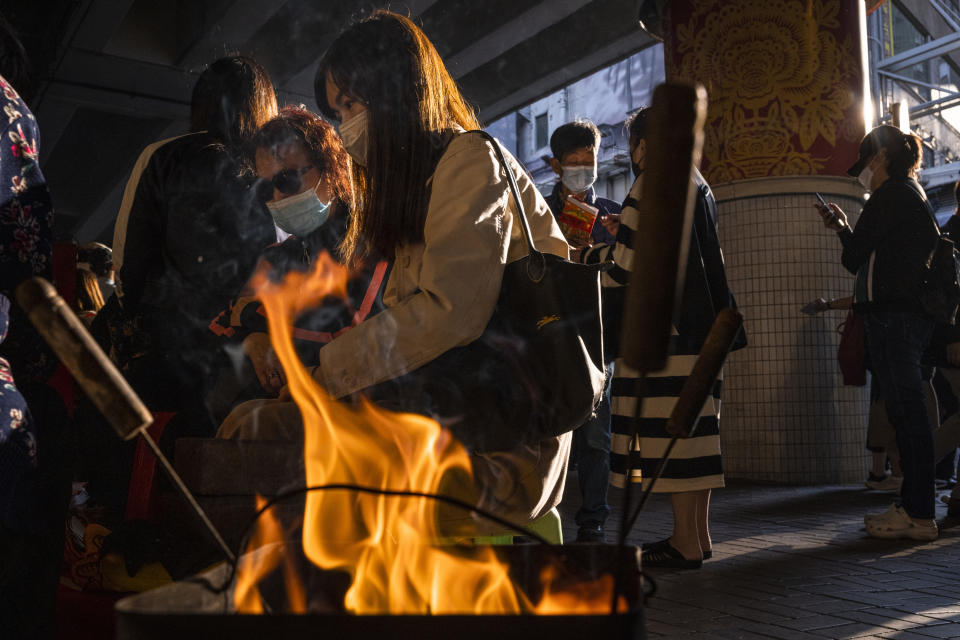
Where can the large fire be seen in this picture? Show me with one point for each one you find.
(387, 544)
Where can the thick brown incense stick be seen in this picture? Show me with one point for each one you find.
(100, 379)
(660, 244)
(698, 385)
(83, 357)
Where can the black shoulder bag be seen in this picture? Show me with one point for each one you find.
(940, 288)
(536, 372)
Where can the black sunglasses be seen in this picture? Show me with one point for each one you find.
(289, 181)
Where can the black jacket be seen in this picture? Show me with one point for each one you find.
(705, 288)
(897, 227)
(195, 231)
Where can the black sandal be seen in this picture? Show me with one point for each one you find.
(664, 555)
(660, 544)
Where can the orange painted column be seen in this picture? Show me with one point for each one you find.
(786, 83)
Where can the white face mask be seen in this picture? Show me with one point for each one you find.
(866, 177)
(578, 178)
(353, 132)
(301, 214)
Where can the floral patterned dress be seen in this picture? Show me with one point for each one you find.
(26, 232)
(18, 443)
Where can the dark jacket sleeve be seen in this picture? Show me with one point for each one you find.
(195, 231)
(712, 255)
(143, 259)
(877, 222)
(705, 289)
(216, 227)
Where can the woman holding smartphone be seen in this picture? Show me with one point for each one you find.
(888, 251)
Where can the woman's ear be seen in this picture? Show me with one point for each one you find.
(323, 190)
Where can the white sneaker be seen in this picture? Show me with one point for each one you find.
(889, 483)
(895, 523)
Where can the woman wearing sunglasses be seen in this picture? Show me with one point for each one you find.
(306, 183)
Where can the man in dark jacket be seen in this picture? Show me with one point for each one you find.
(574, 146)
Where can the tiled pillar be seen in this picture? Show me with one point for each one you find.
(786, 416)
(786, 82)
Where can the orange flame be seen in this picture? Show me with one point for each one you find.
(386, 543)
(252, 569)
(578, 598)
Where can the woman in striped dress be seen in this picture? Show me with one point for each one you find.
(695, 467)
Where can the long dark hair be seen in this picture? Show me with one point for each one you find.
(321, 142)
(387, 63)
(232, 99)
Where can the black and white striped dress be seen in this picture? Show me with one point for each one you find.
(695, 463)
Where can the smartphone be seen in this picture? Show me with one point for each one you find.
(833, 216)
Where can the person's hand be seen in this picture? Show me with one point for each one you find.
(611, 222)
(265, 364)
(815, 307)
(833, 217)
(953, 354)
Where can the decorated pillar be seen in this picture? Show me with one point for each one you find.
(786, 81)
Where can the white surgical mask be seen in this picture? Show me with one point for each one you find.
(579, 178)
(865, 177)
(301, 214)
(354, 135)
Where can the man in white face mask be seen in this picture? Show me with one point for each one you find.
(574, 146)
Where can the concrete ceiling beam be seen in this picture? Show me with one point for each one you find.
(125, 75)
(234, 28)
(94, 226)
(523, 27)
(611, 53)
(100, 23)
(117, 101)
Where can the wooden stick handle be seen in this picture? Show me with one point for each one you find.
(83, 357)
(662, 238)
(699, 384)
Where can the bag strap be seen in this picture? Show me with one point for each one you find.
(926, 205)
(515, 190)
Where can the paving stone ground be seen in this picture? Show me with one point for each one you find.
(795, 563)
